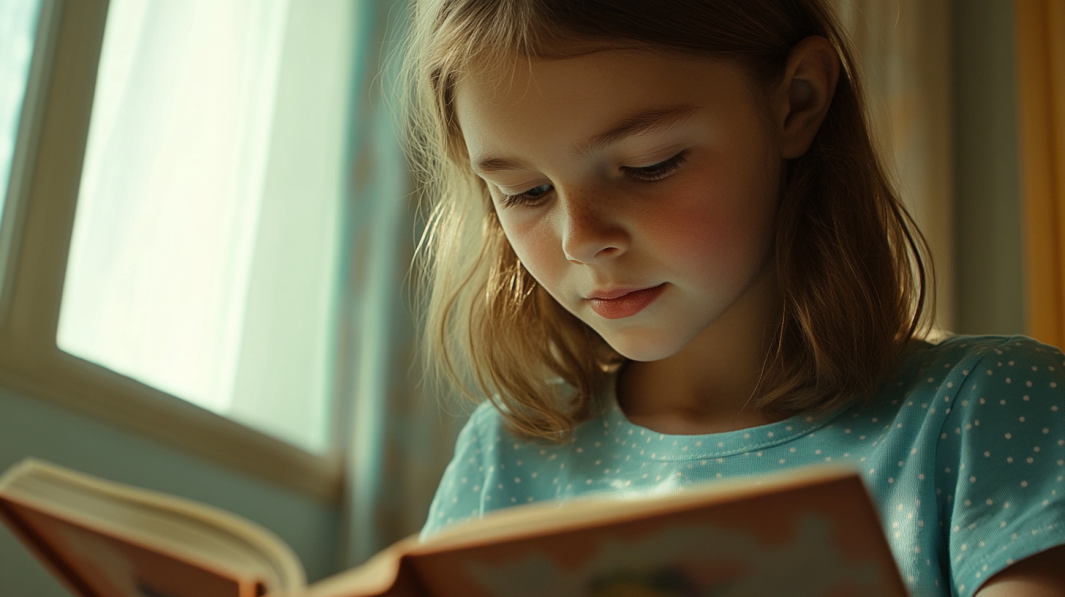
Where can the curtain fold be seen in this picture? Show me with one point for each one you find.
(397, 441)
(1040, 38)
(18, 24)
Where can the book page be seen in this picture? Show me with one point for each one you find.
(107, 566)
(387, 574)
(183, 529)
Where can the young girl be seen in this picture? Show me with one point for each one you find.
(663, 248)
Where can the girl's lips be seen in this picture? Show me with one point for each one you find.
(625, 305)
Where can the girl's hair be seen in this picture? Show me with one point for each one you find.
(848, 257)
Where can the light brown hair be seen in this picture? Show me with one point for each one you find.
(851, 266)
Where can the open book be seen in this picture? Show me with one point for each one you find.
(810, 532)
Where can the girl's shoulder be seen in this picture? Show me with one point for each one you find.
(1011, 356)
(979, 393)
(959, 377)
(948, 343)
(485, 416)
(485, 436)
(484, 427)
(994, 448)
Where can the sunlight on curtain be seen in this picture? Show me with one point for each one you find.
(202, 259)
(18, 24)
(1040, 28)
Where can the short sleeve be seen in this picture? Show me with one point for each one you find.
(1002, 459)
(460, 493)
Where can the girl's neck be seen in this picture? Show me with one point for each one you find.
(708, 386)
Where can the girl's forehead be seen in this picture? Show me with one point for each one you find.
(513, 78)
(581, 104)
(604, 81)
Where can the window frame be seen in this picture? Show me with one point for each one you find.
(34, 247)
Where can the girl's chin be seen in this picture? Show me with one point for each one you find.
(643, 347)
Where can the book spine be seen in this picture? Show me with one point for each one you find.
(45, 553)
(409, 581)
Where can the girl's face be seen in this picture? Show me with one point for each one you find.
(639, 189)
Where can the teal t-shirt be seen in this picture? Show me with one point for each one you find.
(963, 451)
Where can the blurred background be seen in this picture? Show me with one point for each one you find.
(206, 222)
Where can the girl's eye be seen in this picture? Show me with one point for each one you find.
(531, 197)
(652, 173)
(656, 172)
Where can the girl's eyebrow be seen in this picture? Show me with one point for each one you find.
(639, 123)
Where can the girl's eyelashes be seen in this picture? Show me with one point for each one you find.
(530, 197)
(652, 173)
(656, 172)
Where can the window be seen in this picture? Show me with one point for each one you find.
(18, 25)
(203, 255)
(183, 239)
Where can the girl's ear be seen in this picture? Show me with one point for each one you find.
(805, 94)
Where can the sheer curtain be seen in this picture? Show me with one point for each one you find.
(205, 254)
(18, 21)
(1040, 28)
(400, 440)
(170, 192)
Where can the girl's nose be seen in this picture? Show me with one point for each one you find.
(589, 232)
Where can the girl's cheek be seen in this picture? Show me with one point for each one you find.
(535, 244)
(720, 228)
(693, 224)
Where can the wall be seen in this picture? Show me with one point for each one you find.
(30, 427)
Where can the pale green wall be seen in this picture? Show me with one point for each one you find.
(31, 427)
(989, 259)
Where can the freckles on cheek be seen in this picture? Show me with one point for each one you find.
(534, 244)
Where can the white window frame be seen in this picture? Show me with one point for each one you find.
(34, 246)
